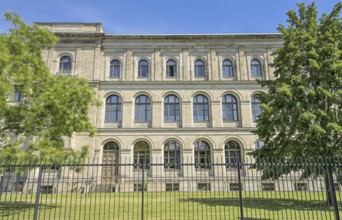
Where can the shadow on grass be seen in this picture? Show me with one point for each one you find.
(17, 207)
(270, 204)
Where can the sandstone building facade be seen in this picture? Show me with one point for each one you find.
(166, 98)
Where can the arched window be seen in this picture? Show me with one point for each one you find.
(202, 155)
(255, 105)
(172, 155)
(65, 65)
(113, 109)
(143, 70)
(114, 71)
(171, 69)
(256, 68)
(259, 144)
(232, 154)
(227, 69)
(199, 68)
(200, 108)
(141, 155)
(229, 108)
(171, 108)
(142, 109)
(110, 146)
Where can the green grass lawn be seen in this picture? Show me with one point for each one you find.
(169, 205)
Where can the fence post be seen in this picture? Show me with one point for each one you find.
(40, 174)
(240, 190)
(332, 190)
(142, 190)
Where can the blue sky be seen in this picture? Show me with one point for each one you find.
(161, 16)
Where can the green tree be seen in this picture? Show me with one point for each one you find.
(53, 106)
(302, 108)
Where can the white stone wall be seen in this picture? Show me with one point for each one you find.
(91, 52)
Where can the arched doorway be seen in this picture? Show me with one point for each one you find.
(141, 155)
(110, 155)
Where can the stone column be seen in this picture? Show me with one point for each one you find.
(129, 74)
(78, 62)
(157, 114)
(128, 119)
(215, 71)
(243, 65)
(156, 158)
(216, 118)
(97, 60)
(158, 66)
(218, 158)
(246, 114)
(125, 172)
(209, 66)
(186, 66)
(186, 114)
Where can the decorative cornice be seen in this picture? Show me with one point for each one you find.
(275, 36)
(187, 130)
(190, 37)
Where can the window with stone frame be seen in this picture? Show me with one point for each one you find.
(142, 109)
(199, 69)
(115, 69)
(227, 69)
(113, 109)
(200, 108)
(230, 108)
(143, 69)
(171, 69)
(65, 65)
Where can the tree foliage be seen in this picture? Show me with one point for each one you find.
(302, 108)
(53, 106)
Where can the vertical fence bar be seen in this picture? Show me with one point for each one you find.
(35, 214)
(332, 190)
(142, 190)
(240, 190)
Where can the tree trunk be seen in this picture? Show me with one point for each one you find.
(328, 189)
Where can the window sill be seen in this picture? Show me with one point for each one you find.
(114, 78)
(171, 78)
(138, 124)
(143, 78)
(201, 124)
(171, 171)
(200, 78)
(231, 124)
(230, 78)
(112, 124)
(177, 124)
(257, 77)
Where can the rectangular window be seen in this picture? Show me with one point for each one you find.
(138, 187)
(46, 189)
(203, 186)
(235, 187)
(18, 96)
(171, 187)
(301, 186)
(267, 186)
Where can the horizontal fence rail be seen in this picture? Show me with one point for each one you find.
(171, 190)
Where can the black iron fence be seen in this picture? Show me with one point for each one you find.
(169, 191)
